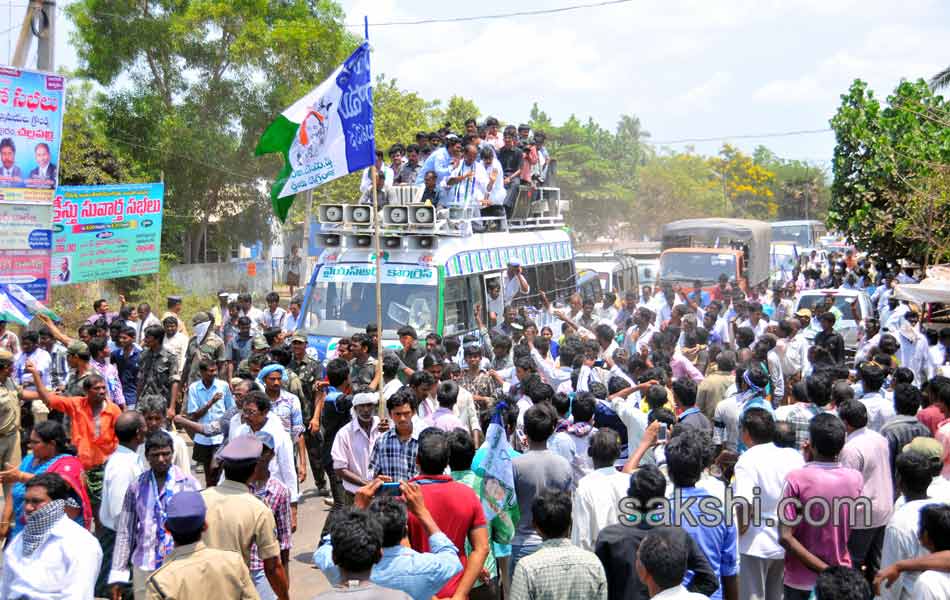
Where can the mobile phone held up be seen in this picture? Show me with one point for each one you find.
(662, 435)
(390, 488)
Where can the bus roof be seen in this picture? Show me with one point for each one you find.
(740, 228)
(477, 253)
(796, 222)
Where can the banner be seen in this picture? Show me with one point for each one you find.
(29, 269)
(31, 123)
(25, 226)
(106, 231)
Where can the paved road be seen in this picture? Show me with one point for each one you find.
(305, 580)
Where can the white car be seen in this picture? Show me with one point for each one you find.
(850, 323)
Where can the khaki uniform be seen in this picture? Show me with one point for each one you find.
(9, 425)
(236, 519)
(158, 372)
(196, 572)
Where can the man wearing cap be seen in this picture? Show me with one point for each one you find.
(174, 310)
(92, 418)
(9, 419)
(354, 443)
(141, 539)
(514, 282)
(192, 570)
(259, 350)
(236, 519)
(275, 495)
(158, 368)
(204, 345)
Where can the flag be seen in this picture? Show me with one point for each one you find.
(326, 134)
(10, 312)
(26, 301)
(497, 491)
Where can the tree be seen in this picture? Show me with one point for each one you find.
(941, 79)
(800, 189)
(206, 78)
(745, 184)
(889, 165)
(675, 186)
(455, 114)
(87, 157)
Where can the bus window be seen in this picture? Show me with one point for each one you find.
(456, 306)
(564, 281)
(494, 298)
(531, 275)
(546, 279)
(475, 298)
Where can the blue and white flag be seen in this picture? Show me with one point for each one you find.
(326, 134)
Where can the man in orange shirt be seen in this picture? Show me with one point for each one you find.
(92, 420)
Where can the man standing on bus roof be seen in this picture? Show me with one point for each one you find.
(513, 282)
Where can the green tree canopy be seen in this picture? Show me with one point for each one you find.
(890, 164)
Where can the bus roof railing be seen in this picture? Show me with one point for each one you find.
(353, 225)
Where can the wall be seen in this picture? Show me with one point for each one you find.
(231, 276)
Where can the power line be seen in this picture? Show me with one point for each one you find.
(744, 136)
(520, 13)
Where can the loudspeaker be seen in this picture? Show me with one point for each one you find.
(391, 242)
(395, 215)
(330, 240)
(331, 213)
(357, 214)
(420, 214)
(423, 242)
(361, 240)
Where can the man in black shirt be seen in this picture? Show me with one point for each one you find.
(510, 157)
(828, 338)
(617, 544)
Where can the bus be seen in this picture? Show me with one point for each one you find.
(433, 276)
(805, 234)
(617, 272)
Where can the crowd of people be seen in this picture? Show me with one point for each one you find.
(481, 170)
(671, 443)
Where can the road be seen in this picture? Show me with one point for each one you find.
(305, 580)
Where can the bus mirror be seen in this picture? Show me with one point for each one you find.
(330, 240)
(392, 242)
(420, 214)
(422, 242)
(359, 241)
(357, 214)
(331, 213)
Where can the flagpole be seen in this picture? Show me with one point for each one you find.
(381, 404)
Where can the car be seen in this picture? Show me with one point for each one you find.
(850, 325)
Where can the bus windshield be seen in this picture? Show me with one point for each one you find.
(792, 233)
(702, 266)
(343, 300)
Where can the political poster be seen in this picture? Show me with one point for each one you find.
(31, 124)
(27, 268)
(25, 226)
(106, 231)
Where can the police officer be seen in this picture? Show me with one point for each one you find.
(192, 570)
(310, 371)
(158, 368)
(236, 518)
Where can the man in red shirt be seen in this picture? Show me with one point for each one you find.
(92, 421)
(456, 510)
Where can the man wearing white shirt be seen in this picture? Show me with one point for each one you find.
(760, 475)
(292, 320)
(880, 410)
(598, 494)
(901, 539)
(384, 183)
(29, 342)
(934, 537)
(641, 334)
(274, 316)
(122, 469)
(251, 312)
(255, 416)
(514, 282)
(53, 558)
(940, 355)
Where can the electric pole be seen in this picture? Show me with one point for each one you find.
(39, 22)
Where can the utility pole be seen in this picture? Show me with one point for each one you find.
(40, 22)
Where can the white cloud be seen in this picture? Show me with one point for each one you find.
(699, 98)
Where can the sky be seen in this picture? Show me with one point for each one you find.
(688, 69)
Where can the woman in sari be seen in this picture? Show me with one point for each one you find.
(50, 453)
